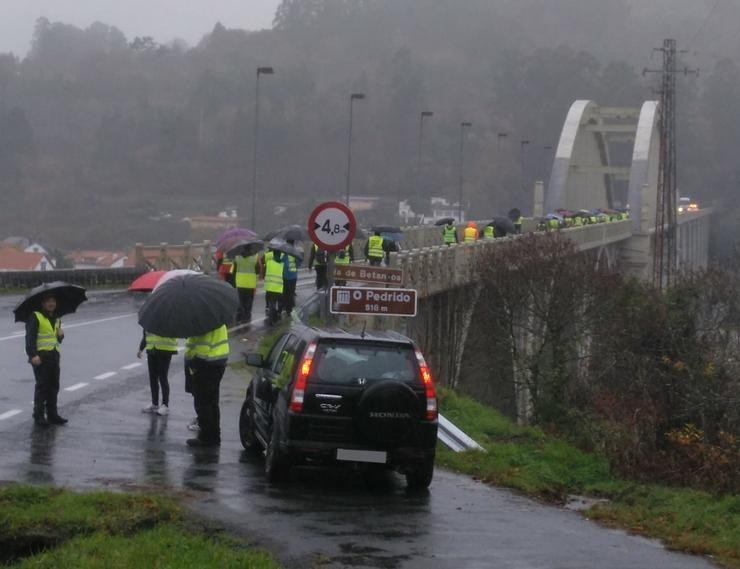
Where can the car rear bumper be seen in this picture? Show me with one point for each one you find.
(299, 450)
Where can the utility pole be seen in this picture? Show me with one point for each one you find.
(665, 255)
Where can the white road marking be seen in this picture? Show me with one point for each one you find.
(76, 386)
(131, 366)
(110, 319)
(9, 414)
(77, 325)
(105, 375)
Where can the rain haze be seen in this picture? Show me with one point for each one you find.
(414, 284)
(162, 19)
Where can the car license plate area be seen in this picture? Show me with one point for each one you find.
(375, 456)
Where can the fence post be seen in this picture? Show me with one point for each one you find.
(163, 257)
(187, 255)
(139, 256)
(206, 260)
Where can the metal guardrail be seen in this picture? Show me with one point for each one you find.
(82, 277)
(453, 438)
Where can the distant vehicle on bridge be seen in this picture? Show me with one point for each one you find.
(686, 204)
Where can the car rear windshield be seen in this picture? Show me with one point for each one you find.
(344, 362)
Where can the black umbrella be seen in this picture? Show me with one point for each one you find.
(445, 221)
(189, 305)
(502, 225)
(277, 244)
(387, 229)
(68, 297)
(288, 233)
(514, 214)
(246, 248)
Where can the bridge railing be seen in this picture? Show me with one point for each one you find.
(82, 277)
(197, 256)
(438, 268)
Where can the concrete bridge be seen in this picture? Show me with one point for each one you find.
(583, 176)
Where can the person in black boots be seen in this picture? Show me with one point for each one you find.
(44, 335)
(207, 356)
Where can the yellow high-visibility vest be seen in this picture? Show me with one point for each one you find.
(450, 234)
(375, 247)
(471, 234)
(342, 258)
(273, 274)
(47, 339)
(160, 343)
(212, 346)
(489, 232)
(246, 276)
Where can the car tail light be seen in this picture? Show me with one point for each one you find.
(429, 390)
(301, 380)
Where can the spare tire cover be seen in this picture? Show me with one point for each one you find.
(387, 412)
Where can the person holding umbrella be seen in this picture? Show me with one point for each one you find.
(41, 310)
(207, 356)
(44, 335)
(197, 308)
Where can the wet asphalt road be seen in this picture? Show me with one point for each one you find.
(327, 519)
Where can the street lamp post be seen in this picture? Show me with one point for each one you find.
(352, 98)
(423, 115)
(499, 137)
(260, 71)
(463, 126)
(522, 146)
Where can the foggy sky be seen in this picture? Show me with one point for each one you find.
(162, 19)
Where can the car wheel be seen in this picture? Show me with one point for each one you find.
(246, 426)
(276, 467)
(421, 476)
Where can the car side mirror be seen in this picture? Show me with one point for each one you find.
(255, 360)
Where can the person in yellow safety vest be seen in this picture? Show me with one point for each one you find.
(291, 264)
(578, 221)
(470, 234)
(344, 257)
(159, 352)
(518, 224)
(273, 285)
(489, 232)
(375, 249)
(245, 279)
(207, 356)
(449, 234)
(553, 223)
(44, 335)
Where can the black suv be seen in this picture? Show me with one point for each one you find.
(331, 396)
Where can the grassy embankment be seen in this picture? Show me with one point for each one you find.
(51, 528)
(530, 461)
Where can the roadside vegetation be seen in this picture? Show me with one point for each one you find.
(52, 528)
(541, 465)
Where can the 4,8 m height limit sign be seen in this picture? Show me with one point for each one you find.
(332, 226)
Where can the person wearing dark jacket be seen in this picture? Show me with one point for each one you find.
(317, 259)
(159, 352)
(44, 335)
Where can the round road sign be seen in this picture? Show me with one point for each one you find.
(332, 226)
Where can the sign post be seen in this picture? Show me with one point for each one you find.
(332, 227)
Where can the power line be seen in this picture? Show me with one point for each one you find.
(703, 25)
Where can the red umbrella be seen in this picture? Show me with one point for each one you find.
(147, 281)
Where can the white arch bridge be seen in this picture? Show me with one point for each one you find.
(606, 157)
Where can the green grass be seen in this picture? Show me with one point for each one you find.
(528, 460)
(46, 527)
(163, 547)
